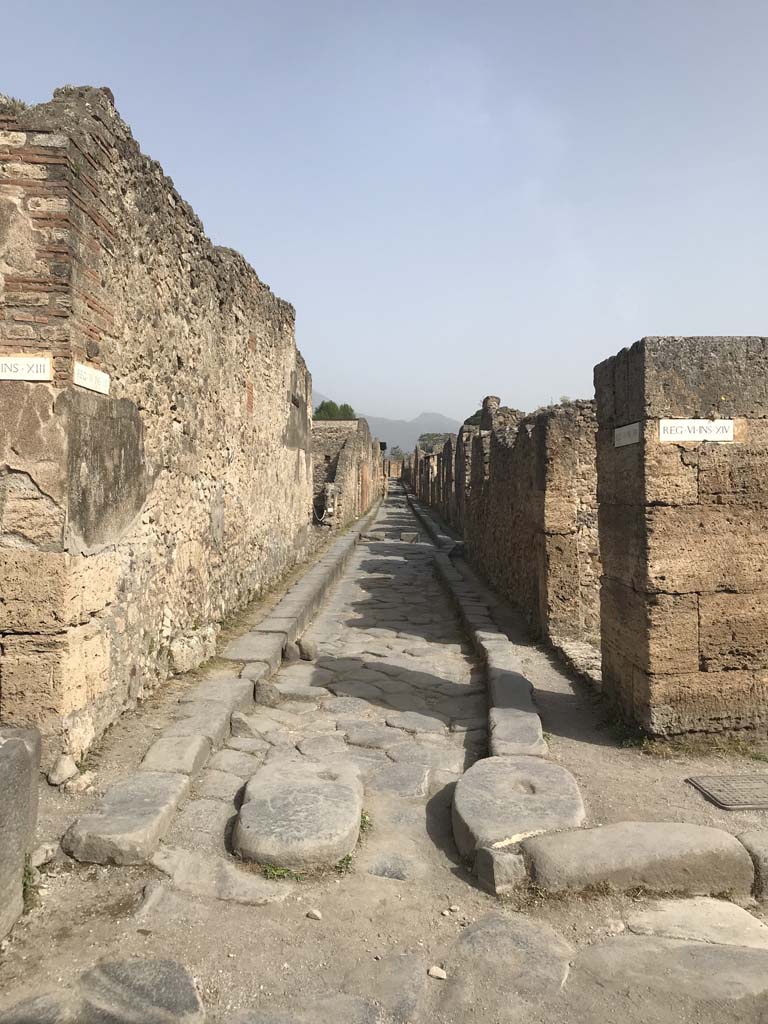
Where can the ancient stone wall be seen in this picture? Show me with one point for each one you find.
(684, 532)
(348, 470)
(131, 522)
(522, 492)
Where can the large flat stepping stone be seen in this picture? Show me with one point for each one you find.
(133, 816)
(121, 992)
(299, 815)
(216, 878)
(500, 968)
(501, 800)
(700, 919)
(661, 856)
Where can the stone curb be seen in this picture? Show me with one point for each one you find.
(136, 812)
(661, 856)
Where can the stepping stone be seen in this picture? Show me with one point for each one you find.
(501, 800)
(236, 762)
(503, 963)
(702, 920)
(218, 785)
(514, 732)
(216, 878)
(415, 722)
(235, 693)
(299, 816)
(206, 718)
(134, 814)
(186, 754)
(661, 856)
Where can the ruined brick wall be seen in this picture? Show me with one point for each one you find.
(349, 470)
(684, 533)
(131, 523)
(522, 492)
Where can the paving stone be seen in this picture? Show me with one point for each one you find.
(513, 732)
(266, 693)
(216, 878)
(701, 919)
(395, 982)
(299, 816)
(308, 649)
(660, 856)
(290, 690)
(291, 653)
(16, 770)
(48, 1008)
(339, 664)
(150, 991)
(415, 722)
(236, 693)
(347, 688)
(134, 814)
(256, 671)
(450, 759)
(205, 815)
(186, 754)
(501, 800)
(248, 744)
(330, 745)
(368, 734)
(218, 785)
(255, 646)
(236, 762)
(502, 963)
(677, 980)
(204, 718)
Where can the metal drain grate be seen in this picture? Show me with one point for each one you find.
(734, 792)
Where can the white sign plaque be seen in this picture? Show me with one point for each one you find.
(91, 378)
(26, 367)
(630, 434)
(695, 430)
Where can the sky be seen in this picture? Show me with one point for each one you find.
(459, 199)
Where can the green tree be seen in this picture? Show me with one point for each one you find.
(397, 453)
(329, 410)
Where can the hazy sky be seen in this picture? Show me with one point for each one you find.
(459, 198)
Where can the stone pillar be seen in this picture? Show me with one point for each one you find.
(683, 521)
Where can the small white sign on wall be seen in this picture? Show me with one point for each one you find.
(26, 367)
(629, 434)
(695, 430)
(91, 378)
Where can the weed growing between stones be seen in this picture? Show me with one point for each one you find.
(344, 865)
(28, 884)
(366, 823)
(277, 874)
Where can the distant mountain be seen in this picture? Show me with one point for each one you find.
(402, 433)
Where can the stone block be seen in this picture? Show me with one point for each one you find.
(202, 718)
(499, 871)
(185, 754)
(732, 631)
(659, 856)
(32, 740)
(658, 633)
(756, 844)
(513, 732)
(256, 646)
(235, 693)
(18, 773)
(134, 815)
